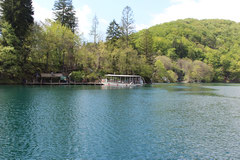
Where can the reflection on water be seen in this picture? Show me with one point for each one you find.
(105, 87)
(204, 94)
(183, 87)
(162, 121)
(215, 89)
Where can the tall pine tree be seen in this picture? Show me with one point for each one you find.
(113, 32)
(94, 30)
(146, 45)
(127, 23)
(19, 14)
(64, 12)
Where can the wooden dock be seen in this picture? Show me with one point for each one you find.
(57, 79)
(62, 83)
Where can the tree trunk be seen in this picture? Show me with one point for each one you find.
(46, 68)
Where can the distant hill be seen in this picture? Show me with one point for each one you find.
(214, 41)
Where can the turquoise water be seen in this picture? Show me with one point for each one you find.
(164, 121)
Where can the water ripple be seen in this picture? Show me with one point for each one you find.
(164, 121)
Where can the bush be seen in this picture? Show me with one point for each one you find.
(77, 76)
(172, 76)
(92, 77)
(196, 71)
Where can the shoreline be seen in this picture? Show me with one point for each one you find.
(100, 84)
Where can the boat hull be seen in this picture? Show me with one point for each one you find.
(120, 84)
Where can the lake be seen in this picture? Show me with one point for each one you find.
(162, 121)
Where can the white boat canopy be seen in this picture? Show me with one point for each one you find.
(123, 80)
(128, 76)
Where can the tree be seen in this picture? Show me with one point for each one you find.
(146, 45)
(196, 71)
(180, 48)
(164, 70)
(126, 60)
(9, 64)
(94, 31)
(127, 23)
(64, 12)
(144, 69)
(201, 72)
(19, 14)
(160, 74)
(113, 32)
(54, 48)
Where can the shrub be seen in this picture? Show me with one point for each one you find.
(77, 76)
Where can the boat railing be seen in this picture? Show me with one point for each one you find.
(124, 82)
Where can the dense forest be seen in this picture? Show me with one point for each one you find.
(186, 50)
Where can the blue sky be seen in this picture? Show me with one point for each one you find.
(146, 12)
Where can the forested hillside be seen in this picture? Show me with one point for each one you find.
(205, 50)
(187, 50)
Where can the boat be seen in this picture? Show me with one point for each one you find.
(123, 80)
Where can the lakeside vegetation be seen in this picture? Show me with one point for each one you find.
(187, 50)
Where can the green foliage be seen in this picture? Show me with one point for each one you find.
(92, 77)
(171, 53)
(9, 57)
(145, 45)
(161, 45)
(185, 50)
(164, 70)
(55, 46)
(113, 32)
(126, 60)
(81, 76)
(214, 42)
(77, 76)
(16, 23)
(172, 76)
(19, 14)
(160, 72)
(201, 72)
(64, 12)
(9, 67)
(144, 69)
(196, 71)
(8, 37)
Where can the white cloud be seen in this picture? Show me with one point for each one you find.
(40, 13)
(139, 27)
(199, 9)
(84, 19)
(103, 22)
(84, 15)
(103, 25)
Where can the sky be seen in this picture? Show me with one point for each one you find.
(146, 12)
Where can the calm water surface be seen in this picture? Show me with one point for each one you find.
(164, 121)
